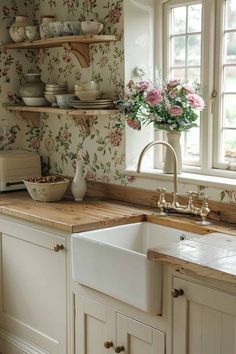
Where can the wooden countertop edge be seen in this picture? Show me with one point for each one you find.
(184, 266)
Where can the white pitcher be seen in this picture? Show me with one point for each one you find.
(78, 185)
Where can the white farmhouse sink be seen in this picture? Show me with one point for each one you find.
(113, 261)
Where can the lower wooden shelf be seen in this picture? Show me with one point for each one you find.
(33, 113)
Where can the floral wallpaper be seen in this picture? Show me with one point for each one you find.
(61, 139)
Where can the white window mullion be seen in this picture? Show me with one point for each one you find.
(208, 85)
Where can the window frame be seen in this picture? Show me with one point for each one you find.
(211, 61)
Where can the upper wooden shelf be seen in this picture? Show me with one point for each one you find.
(33, 113)
(79, 45)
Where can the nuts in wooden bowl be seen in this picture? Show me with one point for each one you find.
(46, 188)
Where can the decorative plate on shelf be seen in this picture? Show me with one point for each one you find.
(92, 104)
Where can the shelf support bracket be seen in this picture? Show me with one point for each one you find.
(32, 118)
(81, 51)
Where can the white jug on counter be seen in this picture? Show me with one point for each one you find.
(78, 185)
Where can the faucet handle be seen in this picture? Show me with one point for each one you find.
(161, 202)
(192, 194)
(204, 212)
(161, 190)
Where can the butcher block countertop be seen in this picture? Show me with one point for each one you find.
(209, 255)
(68, 215)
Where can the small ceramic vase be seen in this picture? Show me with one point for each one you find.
(33, 86)
(44, 27)
(173, 138)
(78, 185)
(17, 29)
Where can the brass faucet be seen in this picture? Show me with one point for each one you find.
(203, 212)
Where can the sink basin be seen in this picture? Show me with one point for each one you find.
(113, 261)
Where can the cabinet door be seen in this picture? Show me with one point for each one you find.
(95, 324)
(33, 294)
(204, 320)
(137, 338)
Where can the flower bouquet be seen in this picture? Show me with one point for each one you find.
(170, 106)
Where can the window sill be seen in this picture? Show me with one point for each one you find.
(187, 178)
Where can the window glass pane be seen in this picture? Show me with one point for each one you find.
(178, 73)
(230, 14)
(194, 49)
(230, 111)
(194, 74)
(194, 18)
(190, 144)
(178, 52)
(230, 78)
(230, 48)
(229, 146)
(179, 19)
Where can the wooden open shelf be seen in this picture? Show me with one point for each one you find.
(78, 45)
(33, 113)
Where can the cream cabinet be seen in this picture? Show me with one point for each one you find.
(204, 319)
(100, 330)
(33, 296)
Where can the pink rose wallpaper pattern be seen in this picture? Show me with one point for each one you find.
(61, 139)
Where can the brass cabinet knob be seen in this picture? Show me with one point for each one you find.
(120, 349)
(58, 248)
(108, 345)
(177, 292)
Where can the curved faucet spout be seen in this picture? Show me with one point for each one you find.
(160, 142)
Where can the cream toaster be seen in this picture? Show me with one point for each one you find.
(16, 165)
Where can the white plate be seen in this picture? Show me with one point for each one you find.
(102, 101)
(87, 107)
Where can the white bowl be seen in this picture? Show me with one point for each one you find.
(51, 98)
(63, 101)
(91, 27)
(87, 86)
(47, 192)
(35, 101)
(88, 95)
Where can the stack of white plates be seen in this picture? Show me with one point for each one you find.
(104, 103)
(52, 90)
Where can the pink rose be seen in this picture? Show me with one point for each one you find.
(175, 111)
(142, 86)
(188, 88)
(195, 102)
(172, 94)
(154, 97)
(135, 124)
(173, 83)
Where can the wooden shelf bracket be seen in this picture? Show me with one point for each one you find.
(32, 118)
(81, 51)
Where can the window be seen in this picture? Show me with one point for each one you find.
(196, 40)
(183, 60)
(225, 80)
(201, 45)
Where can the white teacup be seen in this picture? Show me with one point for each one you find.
(31, 32)
(91, 27)
(56, 28)
(71, 27)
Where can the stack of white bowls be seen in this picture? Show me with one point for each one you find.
(52, 90)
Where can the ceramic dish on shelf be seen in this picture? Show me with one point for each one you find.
(63, 100)
(84, 105)
(88, 95)
(35, 101)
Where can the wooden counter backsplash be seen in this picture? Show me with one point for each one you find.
(219, 211)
